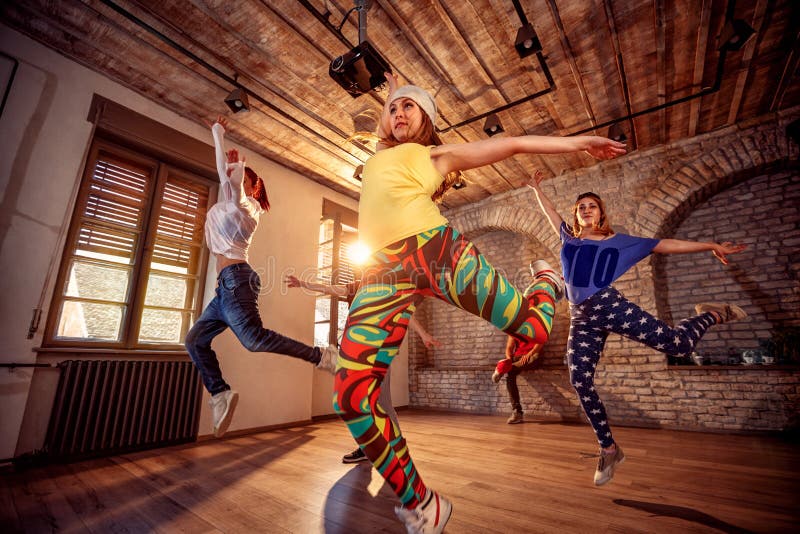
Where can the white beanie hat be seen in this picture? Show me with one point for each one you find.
(419, 95)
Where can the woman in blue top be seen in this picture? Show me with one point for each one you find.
(593, 256)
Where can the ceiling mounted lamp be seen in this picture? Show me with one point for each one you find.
(492, 125)
(617, 133)
(357, 172)
(461, 184)
(793, 131)
(734, 35)
(527, 42)
(237, 100)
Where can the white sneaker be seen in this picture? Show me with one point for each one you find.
(607, 464)
(542, 269)
(430, 517)
(222, 406)
(327, 362)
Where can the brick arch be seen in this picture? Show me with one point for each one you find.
(524, 221)
(761, 152)
(667, 206)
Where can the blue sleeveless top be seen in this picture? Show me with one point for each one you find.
(590, 266)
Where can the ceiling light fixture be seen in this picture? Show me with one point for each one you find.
(527, 42)
(617, 133)
(237, 99)
(461, 184)
(492, 125)
(734, 35)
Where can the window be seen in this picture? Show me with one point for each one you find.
(338, 232)
(134, 261)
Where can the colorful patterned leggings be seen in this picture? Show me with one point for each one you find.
(608, 311)
(437, 263)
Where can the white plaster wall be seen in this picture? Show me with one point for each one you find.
(45, 135)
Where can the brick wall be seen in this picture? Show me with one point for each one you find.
(739, 183)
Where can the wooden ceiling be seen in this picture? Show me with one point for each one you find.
(608, 59)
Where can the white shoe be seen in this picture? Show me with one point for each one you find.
(542, 269)
(330, 356)
(429, 517)
(222, 406)
(607, 464)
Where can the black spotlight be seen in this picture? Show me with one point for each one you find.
(360, 70)
(527, 42)
(734, 35)
(492, 125)
(617, 133)
(793, 131)
(461, 184)
(237, 100)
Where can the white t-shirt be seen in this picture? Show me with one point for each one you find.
(231, 222)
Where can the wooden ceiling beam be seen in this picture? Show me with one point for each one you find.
(699, 65)
(747, 56)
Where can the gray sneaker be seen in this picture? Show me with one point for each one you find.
(327, 361)
(222, 406)
(606, 465)
(516, 418)
(727, 312)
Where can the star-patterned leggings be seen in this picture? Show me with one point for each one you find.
(437, 263)
(608, 311)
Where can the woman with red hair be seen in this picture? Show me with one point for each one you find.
(230, 225)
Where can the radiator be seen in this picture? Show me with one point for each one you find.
(109, 407)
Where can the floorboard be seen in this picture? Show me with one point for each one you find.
(534, 477)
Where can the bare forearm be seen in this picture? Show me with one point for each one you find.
(548, 209)
(464, 156)
(680, 246)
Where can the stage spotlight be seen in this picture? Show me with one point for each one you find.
(237, 100)
(492, 125)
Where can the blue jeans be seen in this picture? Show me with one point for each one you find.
(235, 305)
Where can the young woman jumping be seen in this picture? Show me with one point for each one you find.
(417, 254)
(230, 225)
(593, 256)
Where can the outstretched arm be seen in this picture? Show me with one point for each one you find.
(545, 204)
(336, 291)
(427, 339)
(463, 156)
(679, 246)
(229, 166)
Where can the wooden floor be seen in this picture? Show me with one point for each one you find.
(501, 478)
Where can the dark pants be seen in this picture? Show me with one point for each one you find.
(236, 306)
(511, 385)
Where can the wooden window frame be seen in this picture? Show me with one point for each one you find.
(340, 216)
(171, 156)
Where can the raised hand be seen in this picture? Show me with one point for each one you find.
(536, 179)
(222, 121)
(721, 250)
(604, 148)
(391, 79)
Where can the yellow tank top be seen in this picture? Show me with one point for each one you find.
(397, 184)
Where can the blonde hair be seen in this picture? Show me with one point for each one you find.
(603, 227)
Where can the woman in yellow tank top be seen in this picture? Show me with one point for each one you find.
(416, 254)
